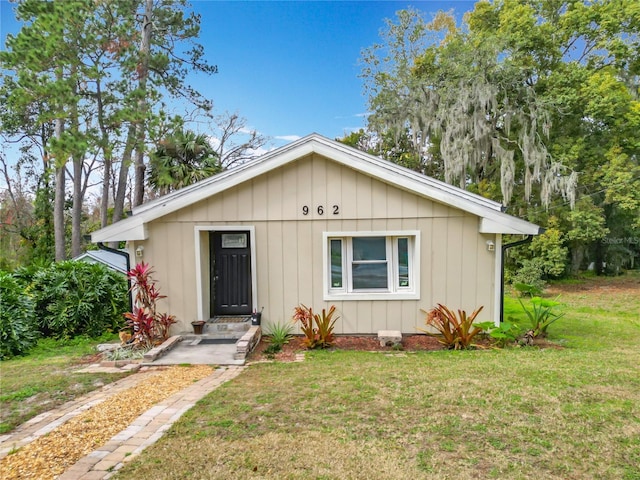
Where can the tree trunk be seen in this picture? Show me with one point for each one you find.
(108, 162)
(58, 202)
(78, 194)
(76, 210)
(123, 175)
(600, 259)
(138, 196)
(123, 178)
(104, 200)
(58, 207)
(577, 255)
(143, 72)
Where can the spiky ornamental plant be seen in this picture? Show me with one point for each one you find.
(280, 334)
(317, 328)
(304, 315)
(456, 332)
(146, 324)
(541, 315)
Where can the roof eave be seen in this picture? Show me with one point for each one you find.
(371, 164)
(507, 225)
(129, 229)
(492, 219)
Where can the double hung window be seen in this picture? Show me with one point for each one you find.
(371, 265)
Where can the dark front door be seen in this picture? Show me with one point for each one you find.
(230, 273)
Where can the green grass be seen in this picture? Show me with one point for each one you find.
(46, 378)
(568, 412)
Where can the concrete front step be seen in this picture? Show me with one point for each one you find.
(219, 329)
(214, 335)
(222, 327)
(242, 345)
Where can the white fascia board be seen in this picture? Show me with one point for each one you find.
(432, 184)
(200, 192)
(134, 227)
(413, 184)
(504, 223)
(128, 229)
(493, 220)
(228, 178)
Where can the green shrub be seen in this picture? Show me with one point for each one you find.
(530, 273)
(18, 331)
(549, 251)
(272, 349)
(24, 274)
(524, 289)
(505, 334)
(78, 298)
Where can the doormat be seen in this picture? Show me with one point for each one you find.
(239, 319)
(217, 341)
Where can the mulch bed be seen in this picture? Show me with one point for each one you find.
(412, 343)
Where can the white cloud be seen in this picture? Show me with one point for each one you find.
(261, 151)
(288, 138)
(213, 141)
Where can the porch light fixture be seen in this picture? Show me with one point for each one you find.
(139, 251)
(491, 246)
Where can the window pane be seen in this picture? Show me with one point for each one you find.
(234, 240)
(369, 275)
(336, 263)
(369, 248)
(403, 262)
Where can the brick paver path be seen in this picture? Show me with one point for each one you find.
(126, 445)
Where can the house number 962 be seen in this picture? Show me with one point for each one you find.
(335, 209)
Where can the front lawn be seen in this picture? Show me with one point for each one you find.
(46, 378)
(567, 412)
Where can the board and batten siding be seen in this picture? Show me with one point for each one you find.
(456, 268)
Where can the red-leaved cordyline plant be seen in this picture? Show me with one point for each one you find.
(148, 326)
(317, 329)
(163, 323)
(456, 331)
(142, 326)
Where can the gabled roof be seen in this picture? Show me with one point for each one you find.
(112, 260)
(492, 219)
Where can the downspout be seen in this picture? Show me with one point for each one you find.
(504, 250)
(102, 246)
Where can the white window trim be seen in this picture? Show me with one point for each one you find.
(400, 293)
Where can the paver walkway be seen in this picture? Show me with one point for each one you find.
(126, 445)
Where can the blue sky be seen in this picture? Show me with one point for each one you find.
(289, 67)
